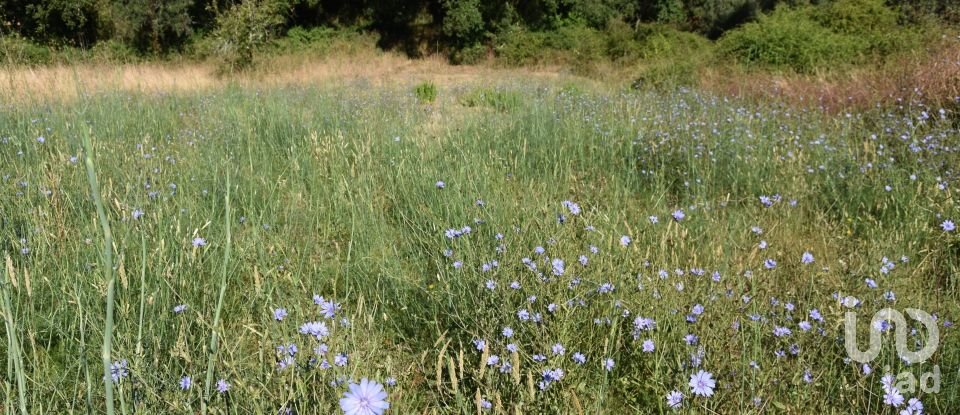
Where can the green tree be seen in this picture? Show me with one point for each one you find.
(152, 25)
(246, 27)
(463, 21)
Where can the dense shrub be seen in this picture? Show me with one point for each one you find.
(666, 75)
(321, 40)
(114, 51)
(500, 100)
(463, 21)
(516, 46)
(426, 92)
(469, 55)
(789, 39)
(18, 51)
(662, 41)
(574, 44)
(714, 17)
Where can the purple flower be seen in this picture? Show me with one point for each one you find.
(558, 349)
(558, 266)
(199, 242)
(648, 346)
(674, 399)
(329, 308)
(702, 383)
(137, 214)
(185, 383)
(678, 215)
(625, 240)
(769, 263)
(317, 329)
(806, 258)
(572, 207)
(366, 398)
(180, 308)
(579, 358)
(118, 370)
(893, 397)
(948, 226)
(340, 359)
(223, 386)
(441, 184)
(608, 364)
(279, 314)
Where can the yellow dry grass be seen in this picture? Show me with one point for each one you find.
(64, 83)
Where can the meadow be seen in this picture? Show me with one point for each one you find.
(533, 247)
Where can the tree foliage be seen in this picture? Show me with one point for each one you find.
(464, 28)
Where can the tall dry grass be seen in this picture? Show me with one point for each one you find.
(933, 79)
(63, 83)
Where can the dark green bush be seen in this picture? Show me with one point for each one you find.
(462, 21)
(516, 46)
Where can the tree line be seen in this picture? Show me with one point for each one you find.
(158, 27)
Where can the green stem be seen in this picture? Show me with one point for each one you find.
(143, 290)
(15, 351)
(107, 267)
(214, 339)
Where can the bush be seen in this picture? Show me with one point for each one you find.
(462, 21)
(622, 42)
(114, 51)
(425, 92)
(15, 50)
(502, 101)
(576, 44)
(516, 46)
(469, 55)
(856, 17)
(789, 39)
(872, 23)
(662, 42)
(666, 75)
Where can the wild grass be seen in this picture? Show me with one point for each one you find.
(334, 193)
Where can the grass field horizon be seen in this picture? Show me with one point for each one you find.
(513, 244)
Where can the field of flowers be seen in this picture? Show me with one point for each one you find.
(531, 248)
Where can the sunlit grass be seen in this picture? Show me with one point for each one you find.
(333, 193)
